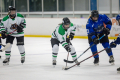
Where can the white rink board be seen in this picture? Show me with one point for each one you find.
(45, 26)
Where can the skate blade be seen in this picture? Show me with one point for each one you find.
(22, 62)
(118, 72)
(112, 63)
(4, 64)
(53, 66)
(78, 65)
(96, 64)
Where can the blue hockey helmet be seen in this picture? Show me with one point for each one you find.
(118, 19)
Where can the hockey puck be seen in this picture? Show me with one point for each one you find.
(64, 68)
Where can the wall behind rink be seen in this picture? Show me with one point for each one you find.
(45, 26)
(42, 27)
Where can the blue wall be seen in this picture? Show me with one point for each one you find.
(93, 4)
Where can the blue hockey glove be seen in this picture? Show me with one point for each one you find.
(113, 45)
(117, 41)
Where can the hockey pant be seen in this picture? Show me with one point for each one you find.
(20, 44)
(55, 49)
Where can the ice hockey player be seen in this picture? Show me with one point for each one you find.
(117, 41)
(13, 21)
(0, 41)
(95, 29)
(60, 36)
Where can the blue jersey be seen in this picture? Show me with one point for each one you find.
(94, 27)
(118, 17)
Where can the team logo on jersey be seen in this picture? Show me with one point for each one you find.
(92, 25)
(87, 30)
(13, 26)
(99, 28)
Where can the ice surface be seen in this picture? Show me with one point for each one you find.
(38, 64)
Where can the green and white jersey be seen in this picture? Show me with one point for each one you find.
(119, 35)
(61, 34)
(7, 22)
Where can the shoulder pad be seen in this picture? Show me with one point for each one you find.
(5, 18)
(61, 31)
(20, 15)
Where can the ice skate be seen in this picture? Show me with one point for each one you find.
(111, 60)
(54, 63)
(96, 61)
(6, 61)
(118, 69)
(22, 60)
(78, 64)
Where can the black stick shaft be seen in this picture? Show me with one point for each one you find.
(68, 54)
(67, 58)
(9, 33)
(86, 58)
(84, 51)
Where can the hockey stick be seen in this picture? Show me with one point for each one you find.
(83, 52)
(3, 45)
(10, 33)
(68, 53)
(8, 44)
(86, 59)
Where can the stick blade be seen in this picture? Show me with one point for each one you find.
(68, 61)
(66, 68)
(7, 45)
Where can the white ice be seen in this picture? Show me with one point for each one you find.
(38, 64)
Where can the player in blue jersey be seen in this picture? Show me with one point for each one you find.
(117, 41)
(95, 29)
(0, 42)
(118, 19)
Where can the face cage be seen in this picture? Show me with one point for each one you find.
(65, 27)
(94, 16)
(13, 15)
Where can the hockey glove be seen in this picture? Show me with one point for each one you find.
(68, 40)
(95, 40)
(113, 45)
(117, 41)
(0, 46)
(3, 34)
(20, 28)
(71, 36)
(68, 49)
(106, 31)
